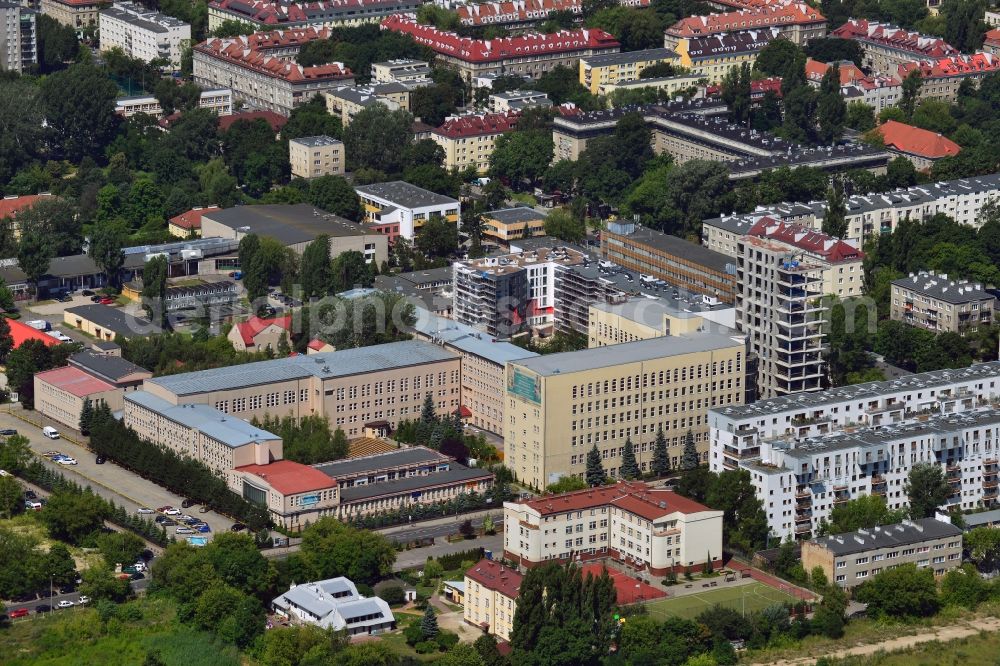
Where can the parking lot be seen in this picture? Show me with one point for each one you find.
(108, 479)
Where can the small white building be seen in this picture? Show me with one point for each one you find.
(144, 33)
(398, 208)
(335, 604)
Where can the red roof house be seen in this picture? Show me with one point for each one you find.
(22, 333)
(258, 334)
(12, 205)
(190, 221)
(290, 478)
(920, 146)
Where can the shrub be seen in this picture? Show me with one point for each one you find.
(446, 640)
(425, 647)
(413, 634)
(393, 595)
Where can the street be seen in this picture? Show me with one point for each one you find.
(108, 480)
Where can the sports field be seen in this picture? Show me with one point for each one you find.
(744, 598)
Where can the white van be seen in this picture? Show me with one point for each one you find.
(50, 432)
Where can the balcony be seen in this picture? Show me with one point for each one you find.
(802, 492)
(803, 529)
(990, 484)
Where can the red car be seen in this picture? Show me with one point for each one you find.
(18, 612)
(107, 301)
(164, 508)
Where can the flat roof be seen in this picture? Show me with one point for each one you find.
(869, 390)
(229, 430)
(625, 57)
(317, 141)
(341, 363)
(404, 195)
(289, 224)
(467, 338)
(887, 536)
(629, 352)
(457, 474)
(114, 319)
(75, 381)
(350, 467)
(679, 247)
(111, 368)
(515, 214)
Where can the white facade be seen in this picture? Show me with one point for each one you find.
(807, 453)
(144, 34)
(220, 101)
(336, 604)
(18, 35)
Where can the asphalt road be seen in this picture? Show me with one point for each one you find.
(439, 530)
(137, 585)
(108, 480)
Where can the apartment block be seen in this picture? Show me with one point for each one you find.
(580, 286)
(674, 260)
(398, 208)
(219, 100)
(670, 85)
(936, 303)
(510, 294)
(713, 56)
(512, 224)
(869, 214)
(652, 531)
(316, 156)
(484, 362)
(878, 91)
(612, 68)
(261, 69)
(559, 406)
(144, 34)
(402, 70)
(778, 309)
(287, 15)
(942, 77)
(61, 392)
(516, 101)
(850, 559)
(796, 21)
(491, 590)
(808, 452)
(18, 37)
(346, 102)
(886, 46)
(516, 13)
(349, 387)
(468, 141)
(77, 14)
(644, 318)
(528, 54)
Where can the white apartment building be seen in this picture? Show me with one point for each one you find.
(398, 208)
(220, 101)
(404, 70)
(654, 531)
(809, 452)
(144, 34)
(870, 214)
(18, 37)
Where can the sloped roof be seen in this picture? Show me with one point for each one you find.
(289, 477)
(815, 242)
(894, 37)
(253, 52)
(744, 19)
(10, 206)
(21, 333)
(252, 327)
(917, 141)
(75, 381)
(476, 125)
(636, 498)
(191, 219)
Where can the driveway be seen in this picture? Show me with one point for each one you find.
(107, 480)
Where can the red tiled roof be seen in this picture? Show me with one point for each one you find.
(317, 344)
(252, 327)
(290, 478)
(633, 497)
(192, 218)
(917, 141)
(961, 65)
(494, 576)
(850, 74)
(478, 125)
(275, 13)
(514, 11)
(793, 13)
(993, 37)
(251, 52)
(75, 381)
(505, 48)
(815, 242)
(275, 120)
(21, 333)
(897, 38)
(11, 206)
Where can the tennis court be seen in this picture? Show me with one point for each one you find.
(747, 598)
(628, 589)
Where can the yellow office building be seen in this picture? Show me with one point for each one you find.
(559, 406)
(611, 68)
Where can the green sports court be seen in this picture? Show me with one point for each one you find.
(747, 598)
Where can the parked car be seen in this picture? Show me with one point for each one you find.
(32, 505)
(138, 575)
(95, 298)
(171, 511)
(49, 454)
(203, 528)
(83, 600)
(107, 301)
(237, 527)
(65, 460)
(184, 530)
(129, 569)
(164, 509)
(100, 460)
(144, 510)
(18, 612)
(43, 608)
(65, 603)
(167, 522)
(87, 292)
(50, 432)
(8, 432)
(30, 494)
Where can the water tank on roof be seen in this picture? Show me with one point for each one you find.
(191, 253)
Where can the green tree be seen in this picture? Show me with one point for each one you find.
(689, 457)
(99, 582)
(926, 489)
(744, 522)
(377, 138)
(107, 239)
(79, 107)
(862, 512)
(910, 92)
(120, 548)
(15, 453)
(316, 267)
(348, 270)
(661, 459)
(73, 516)
(964, 587)
(901, 592)
(736, 93)
(331, 548)
(775, 58)
(562, 224)
(860, 117)
(630, 468)
(983, 546)
(523, 157)
(567, 484)
(154, 289)
(6, 339)
(11, 496)
(831, 109)
(34, 254)
(86, 416)
(437, 237)
(335, 195)
(835, 215)
(429, 623)
(828, 620)
(60, 565)
(22, 113)
(595, 468)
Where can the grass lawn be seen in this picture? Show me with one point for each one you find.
(30, 525)
(979, 650)
(524, 197)
(752, 597)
